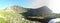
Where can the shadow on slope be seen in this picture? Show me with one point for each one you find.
(37, 13)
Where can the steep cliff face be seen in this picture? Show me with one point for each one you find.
(17, 9)
(40, 11)
(44, 10)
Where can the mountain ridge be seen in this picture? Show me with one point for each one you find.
(17, 9)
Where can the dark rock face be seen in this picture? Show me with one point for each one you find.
(44, 10)
(39, 11)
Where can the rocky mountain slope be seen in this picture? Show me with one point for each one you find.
(15, 8)
(12, 15)
(41, 10)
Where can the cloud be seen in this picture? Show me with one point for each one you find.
(38, 3)
(54, 5)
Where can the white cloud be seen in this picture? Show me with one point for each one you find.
(54, 5)
(38, 3)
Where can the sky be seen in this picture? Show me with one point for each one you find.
(38, 3)
(6, 3)
(23, 3)
(54, 5)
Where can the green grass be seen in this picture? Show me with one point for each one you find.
(9, 17)
(2, 20)
(12, 17)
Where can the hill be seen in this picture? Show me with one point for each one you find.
(15, 8)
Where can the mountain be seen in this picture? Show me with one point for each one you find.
(39, 11)
(19, 9)
(12, 14)
(43, 11)
(15, 8)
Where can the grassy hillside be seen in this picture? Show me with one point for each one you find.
(12, 17)
(9, 17)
